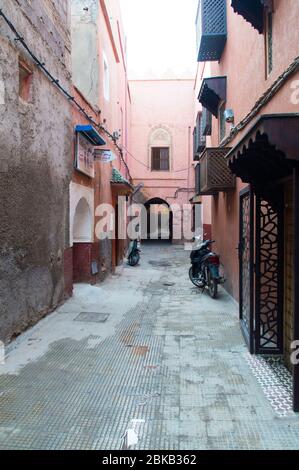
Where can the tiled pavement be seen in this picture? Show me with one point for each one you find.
(168, 355)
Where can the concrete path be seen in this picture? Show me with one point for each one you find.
(168, 362)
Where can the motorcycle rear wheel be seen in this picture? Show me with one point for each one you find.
(196, 281)
(134, 259)
(213, 288)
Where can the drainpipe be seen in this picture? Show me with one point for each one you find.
(126, 116)
(189, 162)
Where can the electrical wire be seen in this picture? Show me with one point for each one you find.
(56, 83)
(73, 100)
(146, 166)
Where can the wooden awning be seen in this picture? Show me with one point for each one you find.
(212, 93)
(121, 189)
(253, 11)
(119, 184)
(268, 151)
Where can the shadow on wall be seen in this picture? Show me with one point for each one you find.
(225, 231)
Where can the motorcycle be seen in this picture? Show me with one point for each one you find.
(134, 253)
(205, 269)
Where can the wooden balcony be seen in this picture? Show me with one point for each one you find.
(215, 175)
(211, 29)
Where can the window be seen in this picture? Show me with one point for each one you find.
(160, 158)
(160, 148)
(222, 123)
(269, 42)
(106, 82)
(25, 82)
(197, 179)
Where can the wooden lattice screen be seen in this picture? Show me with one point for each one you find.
(215, 174)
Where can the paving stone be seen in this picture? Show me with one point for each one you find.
(168, 355)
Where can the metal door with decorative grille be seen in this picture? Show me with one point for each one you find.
(246, 266)
(269, 275)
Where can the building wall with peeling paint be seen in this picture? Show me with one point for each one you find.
(35, 164)
(100, 80)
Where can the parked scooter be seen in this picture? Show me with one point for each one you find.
(204, 271)
(134, 252)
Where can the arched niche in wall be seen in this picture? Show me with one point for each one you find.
(83, 223)
(77, 193)
(160, 137)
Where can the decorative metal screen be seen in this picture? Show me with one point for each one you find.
(269, 277)
(199, 140)
(215, 174)
(246, 266)
(211, 29)
(197, 179)
(222, 123)
(195, 154)
(206, 122)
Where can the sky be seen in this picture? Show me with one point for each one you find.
(161, 38)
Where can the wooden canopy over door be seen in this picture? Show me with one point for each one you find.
(265, 157)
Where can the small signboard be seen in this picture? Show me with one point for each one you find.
(84, 161)
(104, 156)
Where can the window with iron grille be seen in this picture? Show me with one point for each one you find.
(199, 140)
(269, 42)
(195, 155)
(197, 179)
(222, 122)
(160, 158)
(206, 122)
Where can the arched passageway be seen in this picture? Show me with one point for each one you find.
(159, 220)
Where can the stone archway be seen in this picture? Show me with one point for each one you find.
(159, 220)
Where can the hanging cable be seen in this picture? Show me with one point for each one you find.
(57, 84)
(73, 100)
(146, 166)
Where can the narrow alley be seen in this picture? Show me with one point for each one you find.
(160, 351)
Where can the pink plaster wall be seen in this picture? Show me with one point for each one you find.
(203, 71)
(112, 113)
(243, 62)
(169, 104)
(98, 34)
(112, 42)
